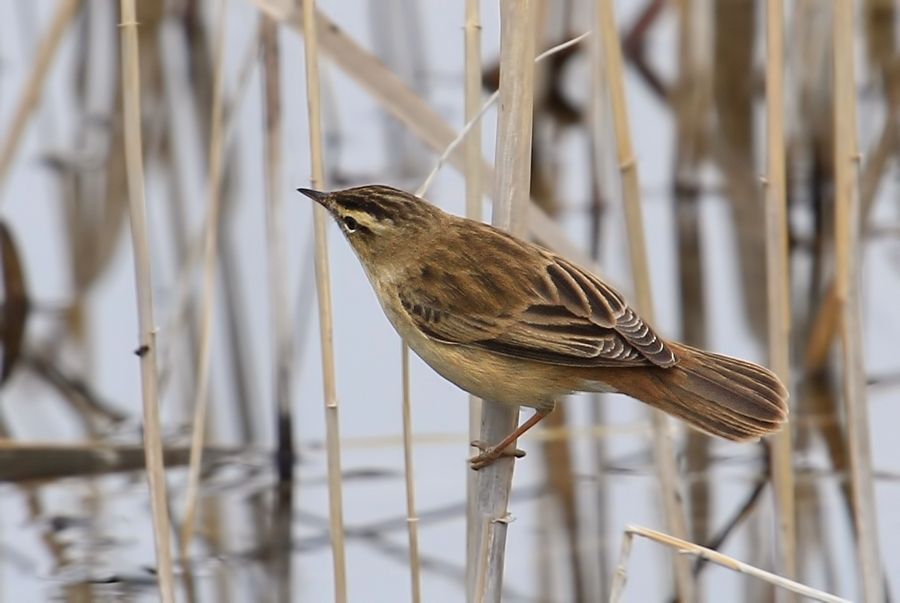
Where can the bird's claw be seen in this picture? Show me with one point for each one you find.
(489, 454)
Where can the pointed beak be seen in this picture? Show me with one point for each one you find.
(317, 196)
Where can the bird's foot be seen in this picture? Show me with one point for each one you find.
(489, 454)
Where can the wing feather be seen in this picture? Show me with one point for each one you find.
(565, 315)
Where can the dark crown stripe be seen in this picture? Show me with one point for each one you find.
(374, 209)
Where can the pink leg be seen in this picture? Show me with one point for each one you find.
(491, 454)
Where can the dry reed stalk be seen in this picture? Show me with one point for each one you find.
(281, 331)
(211, 240)
(777, 274)
(664, 453)
(34, 461)
(821, 331)
(131, 94)
(556, 455)
(241, 368)
(879, 21)
(475, 120)
(818, 341)
(682, 547)
(241, 365)
(846, 158)
(403, 103)
(188, 253)
(31, 94)
(511, 195)
(472, 159)
(817, 397)
(561, 486)
(95, 215)
(472, 148)
(412, 520)
(397, 36)
(734, 142)
(396, 140)
(176, 212)
(232, 105)
(603, 168)
(691, 97)
(323, 291)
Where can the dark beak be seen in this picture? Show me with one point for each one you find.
(317, 196)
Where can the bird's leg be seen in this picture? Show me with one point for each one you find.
(490, 454)
(486, 448)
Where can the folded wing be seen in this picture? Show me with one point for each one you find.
(563, 315)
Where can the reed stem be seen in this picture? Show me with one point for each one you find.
(680, 546)
(281, 329)
(511, 194)
(153, 450)
(29, 100)
(210, 249)
(663, 449)
(323, 291)
(412, 520)
(778, 272)
(603, 161)
(846, 207)
(474, 207)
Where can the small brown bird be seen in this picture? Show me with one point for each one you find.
(512, 322)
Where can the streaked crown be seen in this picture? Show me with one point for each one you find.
(378, 219)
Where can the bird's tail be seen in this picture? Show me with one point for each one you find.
(730, 398)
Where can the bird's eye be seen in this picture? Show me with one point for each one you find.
(350, 224)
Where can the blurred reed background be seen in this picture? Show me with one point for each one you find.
(739, 158)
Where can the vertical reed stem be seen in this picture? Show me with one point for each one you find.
(846, 158)
(511, 198)
(777, 271)
(31, 95)
(474, 190)
(131, 95)
(691, 100)
(662, 438)
(281, 332)
(412, 520)
(323, 291)
(602, 160)
(211, 244)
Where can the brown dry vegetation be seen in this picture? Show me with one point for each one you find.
(766, 148)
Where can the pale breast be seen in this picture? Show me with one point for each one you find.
(482, 373)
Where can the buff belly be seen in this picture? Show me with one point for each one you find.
(492, 376)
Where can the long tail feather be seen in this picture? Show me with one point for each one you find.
(722, 396)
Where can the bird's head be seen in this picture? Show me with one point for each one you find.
(383, 224)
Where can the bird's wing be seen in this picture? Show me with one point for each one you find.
(562, 315)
